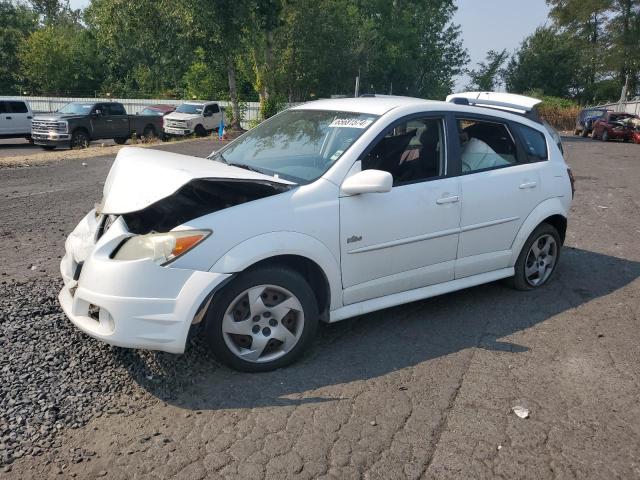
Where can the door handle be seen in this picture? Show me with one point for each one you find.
(109, 121)
(528, 185)
(8, 118)
(29, 118)
(444, 200)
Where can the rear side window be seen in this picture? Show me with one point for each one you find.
(485, 145)
(17, 107)
(116, 109)
(3, 107)
(534, 143)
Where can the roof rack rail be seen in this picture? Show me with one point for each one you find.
(507, 101)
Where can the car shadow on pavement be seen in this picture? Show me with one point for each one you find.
(376, 344)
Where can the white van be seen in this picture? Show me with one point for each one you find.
(15, 119)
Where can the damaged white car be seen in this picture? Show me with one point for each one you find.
(331, 209)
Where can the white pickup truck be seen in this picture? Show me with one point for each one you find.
(15, 119)
(193, 117)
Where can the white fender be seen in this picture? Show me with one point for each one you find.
(274, 244)
(551, 206)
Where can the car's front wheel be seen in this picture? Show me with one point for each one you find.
(605, 136)
(538, 258)
(262, 320)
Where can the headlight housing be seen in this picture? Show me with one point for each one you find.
(161, 248)
(189, 123)
(63, 126)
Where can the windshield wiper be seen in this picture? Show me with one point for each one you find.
(217, 156)
(246, 167)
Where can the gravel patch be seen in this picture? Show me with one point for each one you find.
(54, 377)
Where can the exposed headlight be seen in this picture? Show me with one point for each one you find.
(64, 126)
(162, 248)
(189, 123)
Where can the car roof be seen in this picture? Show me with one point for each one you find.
(162, 106)
(378, 105)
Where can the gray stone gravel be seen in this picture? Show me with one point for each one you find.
(52, 376)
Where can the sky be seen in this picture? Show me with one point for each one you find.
(496, 24)
(486, 25)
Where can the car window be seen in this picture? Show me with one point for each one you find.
(212, 108)
(3, 107)
(151, 111)
(411, 151)
(534, 142)
(298, 145)
(115, 109)
(17, 107)
(485, 145)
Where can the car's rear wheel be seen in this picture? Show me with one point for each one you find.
(200, 131)
(149, 132)
(262, 320)
(79, 139)
(120, 140)
(538, 259)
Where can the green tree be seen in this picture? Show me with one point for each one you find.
(548, 61)
(488, 75)
(138, 37)
(61, 58)
(16, 24)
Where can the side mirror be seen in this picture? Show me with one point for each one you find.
(368, 181)
(97, 112)
(208, 114)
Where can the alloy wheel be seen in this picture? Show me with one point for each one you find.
(541, 260)
(263, 323)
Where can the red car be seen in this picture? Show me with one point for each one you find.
(613, 126)
(159, 110)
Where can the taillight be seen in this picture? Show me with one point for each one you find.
(573, 182)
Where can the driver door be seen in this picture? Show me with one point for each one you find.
(406, 238)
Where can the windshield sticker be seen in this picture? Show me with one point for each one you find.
(350, 123)
(336, 155)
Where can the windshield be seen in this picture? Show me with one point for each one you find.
(591, 113)
(298, 145)
(76, 108)
(190, 108)
(151, 111)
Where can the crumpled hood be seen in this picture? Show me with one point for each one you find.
(182, 116)
(140, 177)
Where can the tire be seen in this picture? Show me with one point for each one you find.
(80, 139)
(605, 136)
(527, 276)
(585, 132)
(577, 132)
(48, 147)
(149, 132)
(232, 340)
(200, 131)
(120, 140)
(594, 135)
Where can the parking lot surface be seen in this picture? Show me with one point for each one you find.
(424, 390)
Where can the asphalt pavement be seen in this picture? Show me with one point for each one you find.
(424, 390)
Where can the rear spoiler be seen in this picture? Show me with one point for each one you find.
(503, 101)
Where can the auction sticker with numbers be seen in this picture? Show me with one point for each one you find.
(350, 123)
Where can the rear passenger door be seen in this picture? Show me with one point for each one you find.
(500, 185)
(5, 123)
(119, 120)
(20, 117)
